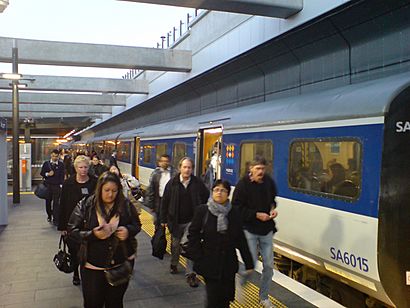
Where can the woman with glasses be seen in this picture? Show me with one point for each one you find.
(214, 234)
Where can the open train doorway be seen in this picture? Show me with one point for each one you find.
(208, 160)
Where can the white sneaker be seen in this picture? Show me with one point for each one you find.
(266, 303)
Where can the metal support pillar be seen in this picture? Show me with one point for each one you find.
(16, 126)
(26, 134)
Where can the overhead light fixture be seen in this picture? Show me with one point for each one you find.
(3, 5)
(11, 76)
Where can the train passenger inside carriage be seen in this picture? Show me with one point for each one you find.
(330, 167)
(337, 175)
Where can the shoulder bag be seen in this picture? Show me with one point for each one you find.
(42, 191)
(119, 274)
(62, 259)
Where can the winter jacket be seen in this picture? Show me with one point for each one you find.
(84, 219)
(58, 177)
(71, 194)
(214, 253)
(170, 200)
(251, 197)
(152, 197)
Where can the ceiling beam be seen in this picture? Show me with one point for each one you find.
(54, 108)
(95, 55)
(65, 99)
(43, 115)
(83, 84)
(270, 8)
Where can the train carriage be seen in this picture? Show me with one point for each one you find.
(355, 231)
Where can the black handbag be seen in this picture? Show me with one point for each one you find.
(119, 274)
(62, 259)
(159, 243)
(42, 191)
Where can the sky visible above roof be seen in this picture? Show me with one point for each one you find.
(87, 21)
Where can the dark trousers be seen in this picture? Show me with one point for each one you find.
(97, 293)
(53, 202)
(73, 248)
(157, 214)
(219, 292)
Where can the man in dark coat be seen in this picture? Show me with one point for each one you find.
(182, 195)
(97, 167)
(53, 173)
(158, 180)
(113, 159)
(254, 196)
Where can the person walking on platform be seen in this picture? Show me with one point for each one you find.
(97, 167)
(53, 173)
(182, 195)
(214, 234)
(159, 178)
(113, 159)
(68, 164)
(106, 225)
(74, 189)
(254, 196)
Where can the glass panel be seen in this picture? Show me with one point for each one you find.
(250, 150)
(161, 149)
(178, 152)
(331, 167)
(148, 153)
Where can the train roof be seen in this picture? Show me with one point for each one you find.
(359, 100)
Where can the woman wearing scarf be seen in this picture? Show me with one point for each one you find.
(214, 234)
(106, 224)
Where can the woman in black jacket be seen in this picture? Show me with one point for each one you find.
(76, 187)
(213, 235)
(106, 224)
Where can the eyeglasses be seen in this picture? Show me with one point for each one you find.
(220, 190)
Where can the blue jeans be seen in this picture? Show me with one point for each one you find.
(264, 245)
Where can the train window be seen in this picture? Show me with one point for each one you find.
(161, 149)
(251, 149)
(124, 151)
(148, 153)
(331, 167)
(178, 152)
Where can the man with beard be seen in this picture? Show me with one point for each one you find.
(255, 197)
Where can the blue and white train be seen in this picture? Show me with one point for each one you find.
(357, 231)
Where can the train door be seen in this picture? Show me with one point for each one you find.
(208, 158)
(136, 156)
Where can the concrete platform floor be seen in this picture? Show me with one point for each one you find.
(29, 278)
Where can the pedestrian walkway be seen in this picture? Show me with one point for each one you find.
(29, 278)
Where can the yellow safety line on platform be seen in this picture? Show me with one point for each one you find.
(21, 193)
(251, 291)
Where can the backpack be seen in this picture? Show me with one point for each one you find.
(183, 244)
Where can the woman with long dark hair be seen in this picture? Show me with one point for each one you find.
(106, 224)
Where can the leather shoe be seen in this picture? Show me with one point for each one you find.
(192, 280)
(173, 269)
(76, 281)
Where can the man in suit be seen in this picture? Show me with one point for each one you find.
(53, 173)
